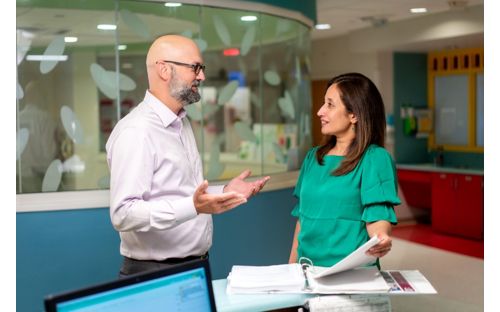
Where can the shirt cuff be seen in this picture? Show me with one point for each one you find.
(215, 189)
(184, 209)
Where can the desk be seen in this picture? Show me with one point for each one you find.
(249, 303)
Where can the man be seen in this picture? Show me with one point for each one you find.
(160, 203)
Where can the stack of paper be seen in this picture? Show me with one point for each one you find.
(344, 277)
(252, 279)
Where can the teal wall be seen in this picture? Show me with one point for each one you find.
(410, 86)
(58, 251)
(308, 8)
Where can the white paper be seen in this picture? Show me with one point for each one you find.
(364, 280)
(251, 279)
(355, 259)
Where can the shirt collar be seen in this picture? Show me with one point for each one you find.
(167, 116)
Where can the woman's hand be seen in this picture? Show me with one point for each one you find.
(383, 247)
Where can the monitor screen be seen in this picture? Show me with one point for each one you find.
(184, 287)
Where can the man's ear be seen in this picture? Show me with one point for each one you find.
(164, 71)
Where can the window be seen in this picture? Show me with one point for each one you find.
(76, 80)
(457, 96)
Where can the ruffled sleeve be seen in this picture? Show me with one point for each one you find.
(379, 186)
(310, 156)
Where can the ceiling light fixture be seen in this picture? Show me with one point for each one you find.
(418, 10)
(172, 4)
(70, 39)
(106, 26)
(249, 18)
(322, 26)
(33, 57)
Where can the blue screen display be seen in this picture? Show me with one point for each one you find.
(185, 291)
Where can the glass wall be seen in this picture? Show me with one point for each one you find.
(81, 67)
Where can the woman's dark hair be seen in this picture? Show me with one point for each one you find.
(361, 98)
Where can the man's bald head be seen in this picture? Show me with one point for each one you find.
(171, 78)
(172, 47)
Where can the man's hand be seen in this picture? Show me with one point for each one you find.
(247, 189)
(215, 203)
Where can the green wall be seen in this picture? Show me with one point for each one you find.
(410, 87)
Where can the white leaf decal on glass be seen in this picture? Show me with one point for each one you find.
(135, 24)
(55, 48)
(22, 139)
(255, 100)
(244, 131)
(126, 83)
(193, 112)
(187, 33)
(52, 177)
(272, 77)
(278, 153)
(286, 105)
(227, 92)
(215, 168)
(104, 81)
(71, 124)
(19, 92)
(209, 109)
(298, 72)
(222, 30)
(248, 40)
(202, 44)
(24, 39)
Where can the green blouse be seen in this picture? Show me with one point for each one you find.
(333, 210)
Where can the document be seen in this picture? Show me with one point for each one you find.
(347, 276)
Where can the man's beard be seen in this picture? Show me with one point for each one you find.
(184, 92)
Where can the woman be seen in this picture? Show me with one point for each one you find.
(347, 186)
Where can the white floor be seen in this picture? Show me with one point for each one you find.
(457, 278)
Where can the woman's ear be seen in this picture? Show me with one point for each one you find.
(353, 118)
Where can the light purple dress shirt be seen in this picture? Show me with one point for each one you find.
(155, 169)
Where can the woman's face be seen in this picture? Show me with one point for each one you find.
(335, 120)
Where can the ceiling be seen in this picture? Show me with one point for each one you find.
(349, 15)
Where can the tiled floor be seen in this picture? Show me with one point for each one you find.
(458, 277)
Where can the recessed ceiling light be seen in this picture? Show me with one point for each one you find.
(122, 47)
(106, 26)
(172, 4)
(249, 18)
(323, 26)
(70, 39)
(32, 57)
(418, 10)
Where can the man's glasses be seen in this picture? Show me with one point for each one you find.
(197, 68)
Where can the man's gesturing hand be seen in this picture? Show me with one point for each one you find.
(215, 203)
(247, 189)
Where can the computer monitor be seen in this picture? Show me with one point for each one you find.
(182, 287)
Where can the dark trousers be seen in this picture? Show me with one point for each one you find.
(132, 266)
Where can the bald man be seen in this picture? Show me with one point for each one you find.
(160, 203)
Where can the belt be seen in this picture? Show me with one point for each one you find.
(174, 260)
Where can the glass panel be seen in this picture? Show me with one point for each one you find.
(255, 105)
(480, 110)
(58, 109)
(451, 98)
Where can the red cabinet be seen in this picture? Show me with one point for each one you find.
(458, 204)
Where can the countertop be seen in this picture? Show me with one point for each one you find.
(433, 168)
